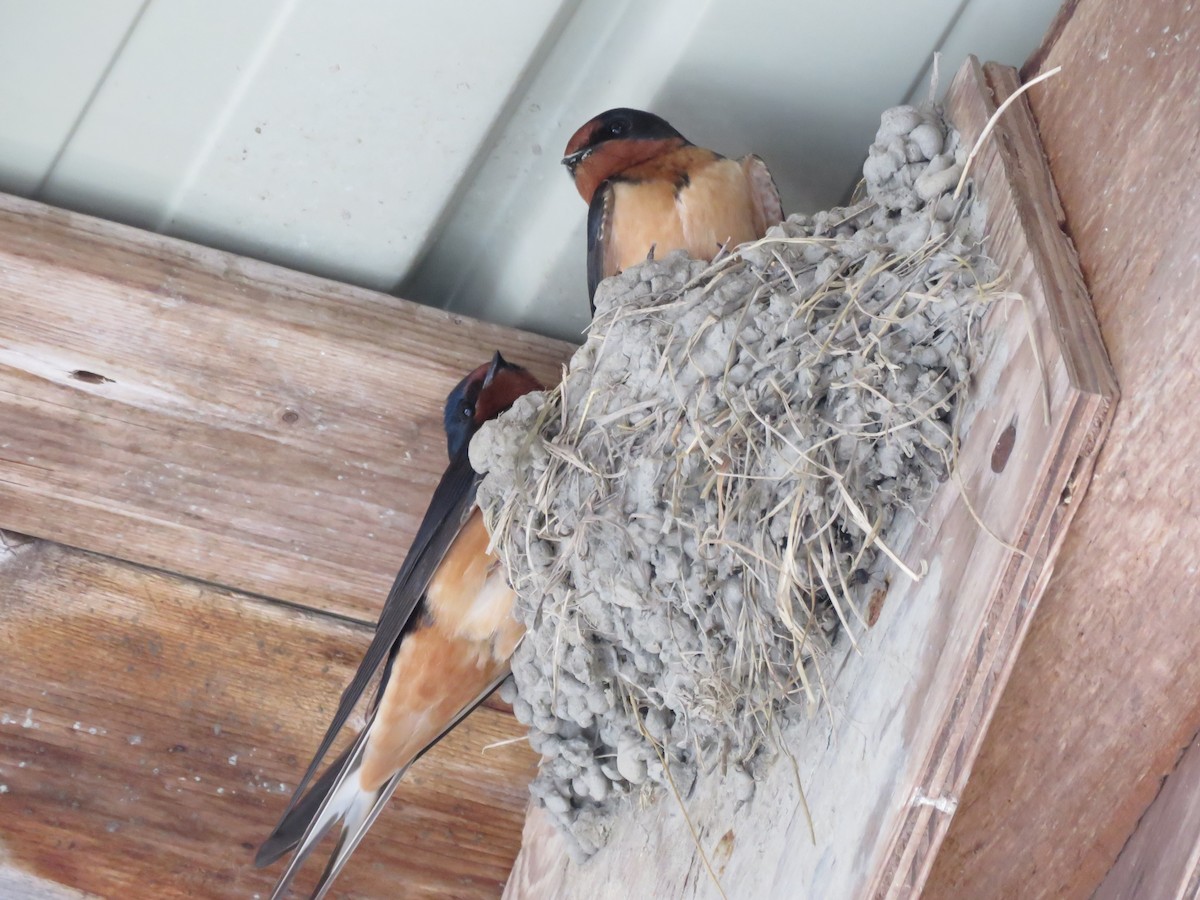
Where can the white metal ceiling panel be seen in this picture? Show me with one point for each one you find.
(414, 147)
(325, 136)
(52, 57)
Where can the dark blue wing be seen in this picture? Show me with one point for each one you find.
(599, 228)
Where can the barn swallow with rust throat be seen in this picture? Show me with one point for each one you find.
(651, 190)
(444, 640)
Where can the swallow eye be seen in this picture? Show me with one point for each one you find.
(618, 128)
(468, 411)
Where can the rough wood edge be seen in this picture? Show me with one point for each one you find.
(1040, 212)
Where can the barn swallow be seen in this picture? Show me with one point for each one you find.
(444, 639)
(651, 190)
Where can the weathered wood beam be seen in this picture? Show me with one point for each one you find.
(206, 414)
(1162, 857)
(1106, 691)
(882, 771)
(151, 730)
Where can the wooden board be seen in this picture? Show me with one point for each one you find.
(883, 768)
(1106, 692)
(1162, 857)
(151, 730)
(214, 416)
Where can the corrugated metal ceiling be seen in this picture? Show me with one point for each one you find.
(414, 147)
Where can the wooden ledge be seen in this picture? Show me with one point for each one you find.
(222, 418)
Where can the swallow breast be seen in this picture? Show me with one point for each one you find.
(690, 199)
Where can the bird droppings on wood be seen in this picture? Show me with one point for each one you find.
(704, 502)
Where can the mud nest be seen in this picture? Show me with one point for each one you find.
(703, 505)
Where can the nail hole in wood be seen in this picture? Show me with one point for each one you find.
(290, 416)
(90, 377)
(1004, 448)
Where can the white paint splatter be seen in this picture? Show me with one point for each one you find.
(27, 722)
(947, 804)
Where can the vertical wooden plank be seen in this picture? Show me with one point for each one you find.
(1107, 687)
(1024, 238)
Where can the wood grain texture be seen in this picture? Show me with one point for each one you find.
(1162, 858)
(1107, 689)
(883, 767)
(222, 418)
(151, 729)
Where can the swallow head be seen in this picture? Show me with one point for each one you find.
(482, 395)
(614, 141)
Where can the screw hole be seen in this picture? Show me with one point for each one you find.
(1004, 448)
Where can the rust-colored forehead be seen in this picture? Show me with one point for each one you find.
(583, 136)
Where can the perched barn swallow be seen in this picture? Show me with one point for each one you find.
(444, 640)
(651, 190)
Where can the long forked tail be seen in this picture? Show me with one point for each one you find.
(335, 799)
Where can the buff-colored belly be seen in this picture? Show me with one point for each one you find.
(443, 666)
(714, 210)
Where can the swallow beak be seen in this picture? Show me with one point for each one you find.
(574, 159)
(498, 363)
